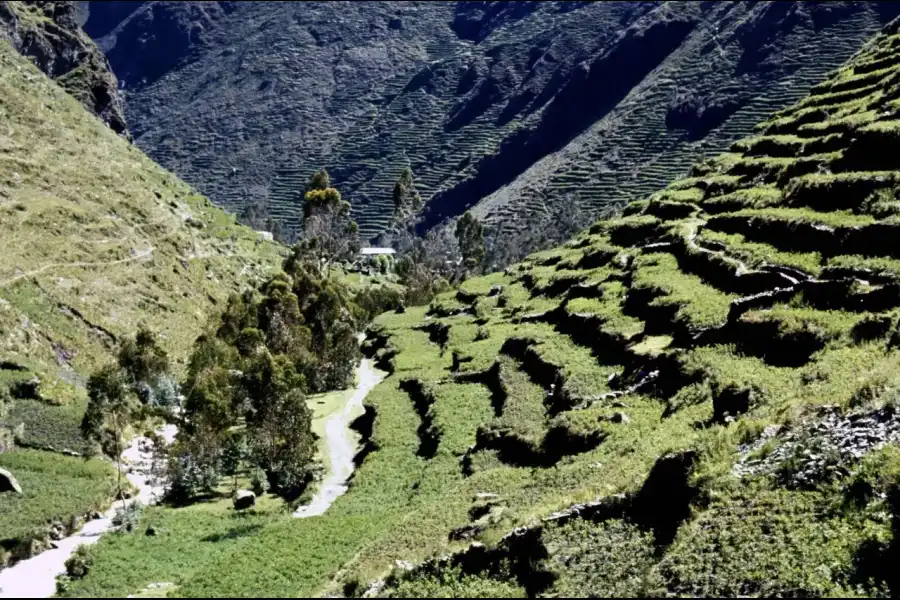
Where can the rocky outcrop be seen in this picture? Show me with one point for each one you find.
(822, 447)
(48, 34)
(145, 40)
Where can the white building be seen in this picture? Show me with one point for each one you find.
(377, 251)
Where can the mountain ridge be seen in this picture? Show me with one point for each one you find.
(477, 98)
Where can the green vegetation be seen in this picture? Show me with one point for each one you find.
(597, 416)
(56, 489)
(697, 304)
(96, 240)
(756, 255)
(625, 552)
(768, 542)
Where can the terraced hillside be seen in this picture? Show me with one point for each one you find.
(248, 122)
(521, 103)
(716, 371)
(94, 239)
(698, 398)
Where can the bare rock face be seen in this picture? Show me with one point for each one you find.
(48, 33)
(8, 483)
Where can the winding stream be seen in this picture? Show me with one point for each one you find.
(342, 445)
(36, 577)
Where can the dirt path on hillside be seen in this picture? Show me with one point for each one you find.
(342, 443)
(36, 577)
(139, 255)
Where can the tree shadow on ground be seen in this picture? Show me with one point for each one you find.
(234, 533)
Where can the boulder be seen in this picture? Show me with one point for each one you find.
(244, 499)
(8, 483)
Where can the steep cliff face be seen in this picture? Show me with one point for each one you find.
(48, 33)
(507, 107)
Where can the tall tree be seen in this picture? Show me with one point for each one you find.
(470, 235)
(329, 234)
(143, 362)
(111, 408)
(407, 201)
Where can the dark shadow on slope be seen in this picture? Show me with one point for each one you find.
(590, 93)
(364, 425)
(422, 397)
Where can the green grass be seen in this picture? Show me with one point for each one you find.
(55, 488)
(578, 548)
(455, 584)
(755, 197)
(609, 309)
(698, 305)
(80, 210)
(824, 324)
(803, 215)
(754, 255)
(523, 410)
(459, 410)
(764, 542)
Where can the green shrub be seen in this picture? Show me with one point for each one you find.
(611, 559)
(259, 483)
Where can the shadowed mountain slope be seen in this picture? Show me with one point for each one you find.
(518, 103)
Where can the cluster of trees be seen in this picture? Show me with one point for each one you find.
(431, 263)
(134, 387)
(243, 407)
(247, 382)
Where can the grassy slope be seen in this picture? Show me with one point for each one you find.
(88, 485)
(602, 306)
(94, 238)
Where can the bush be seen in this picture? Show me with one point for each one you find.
(128, 517)
(378, 299)
(79, 563)
(191, 472)
(259, 483)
